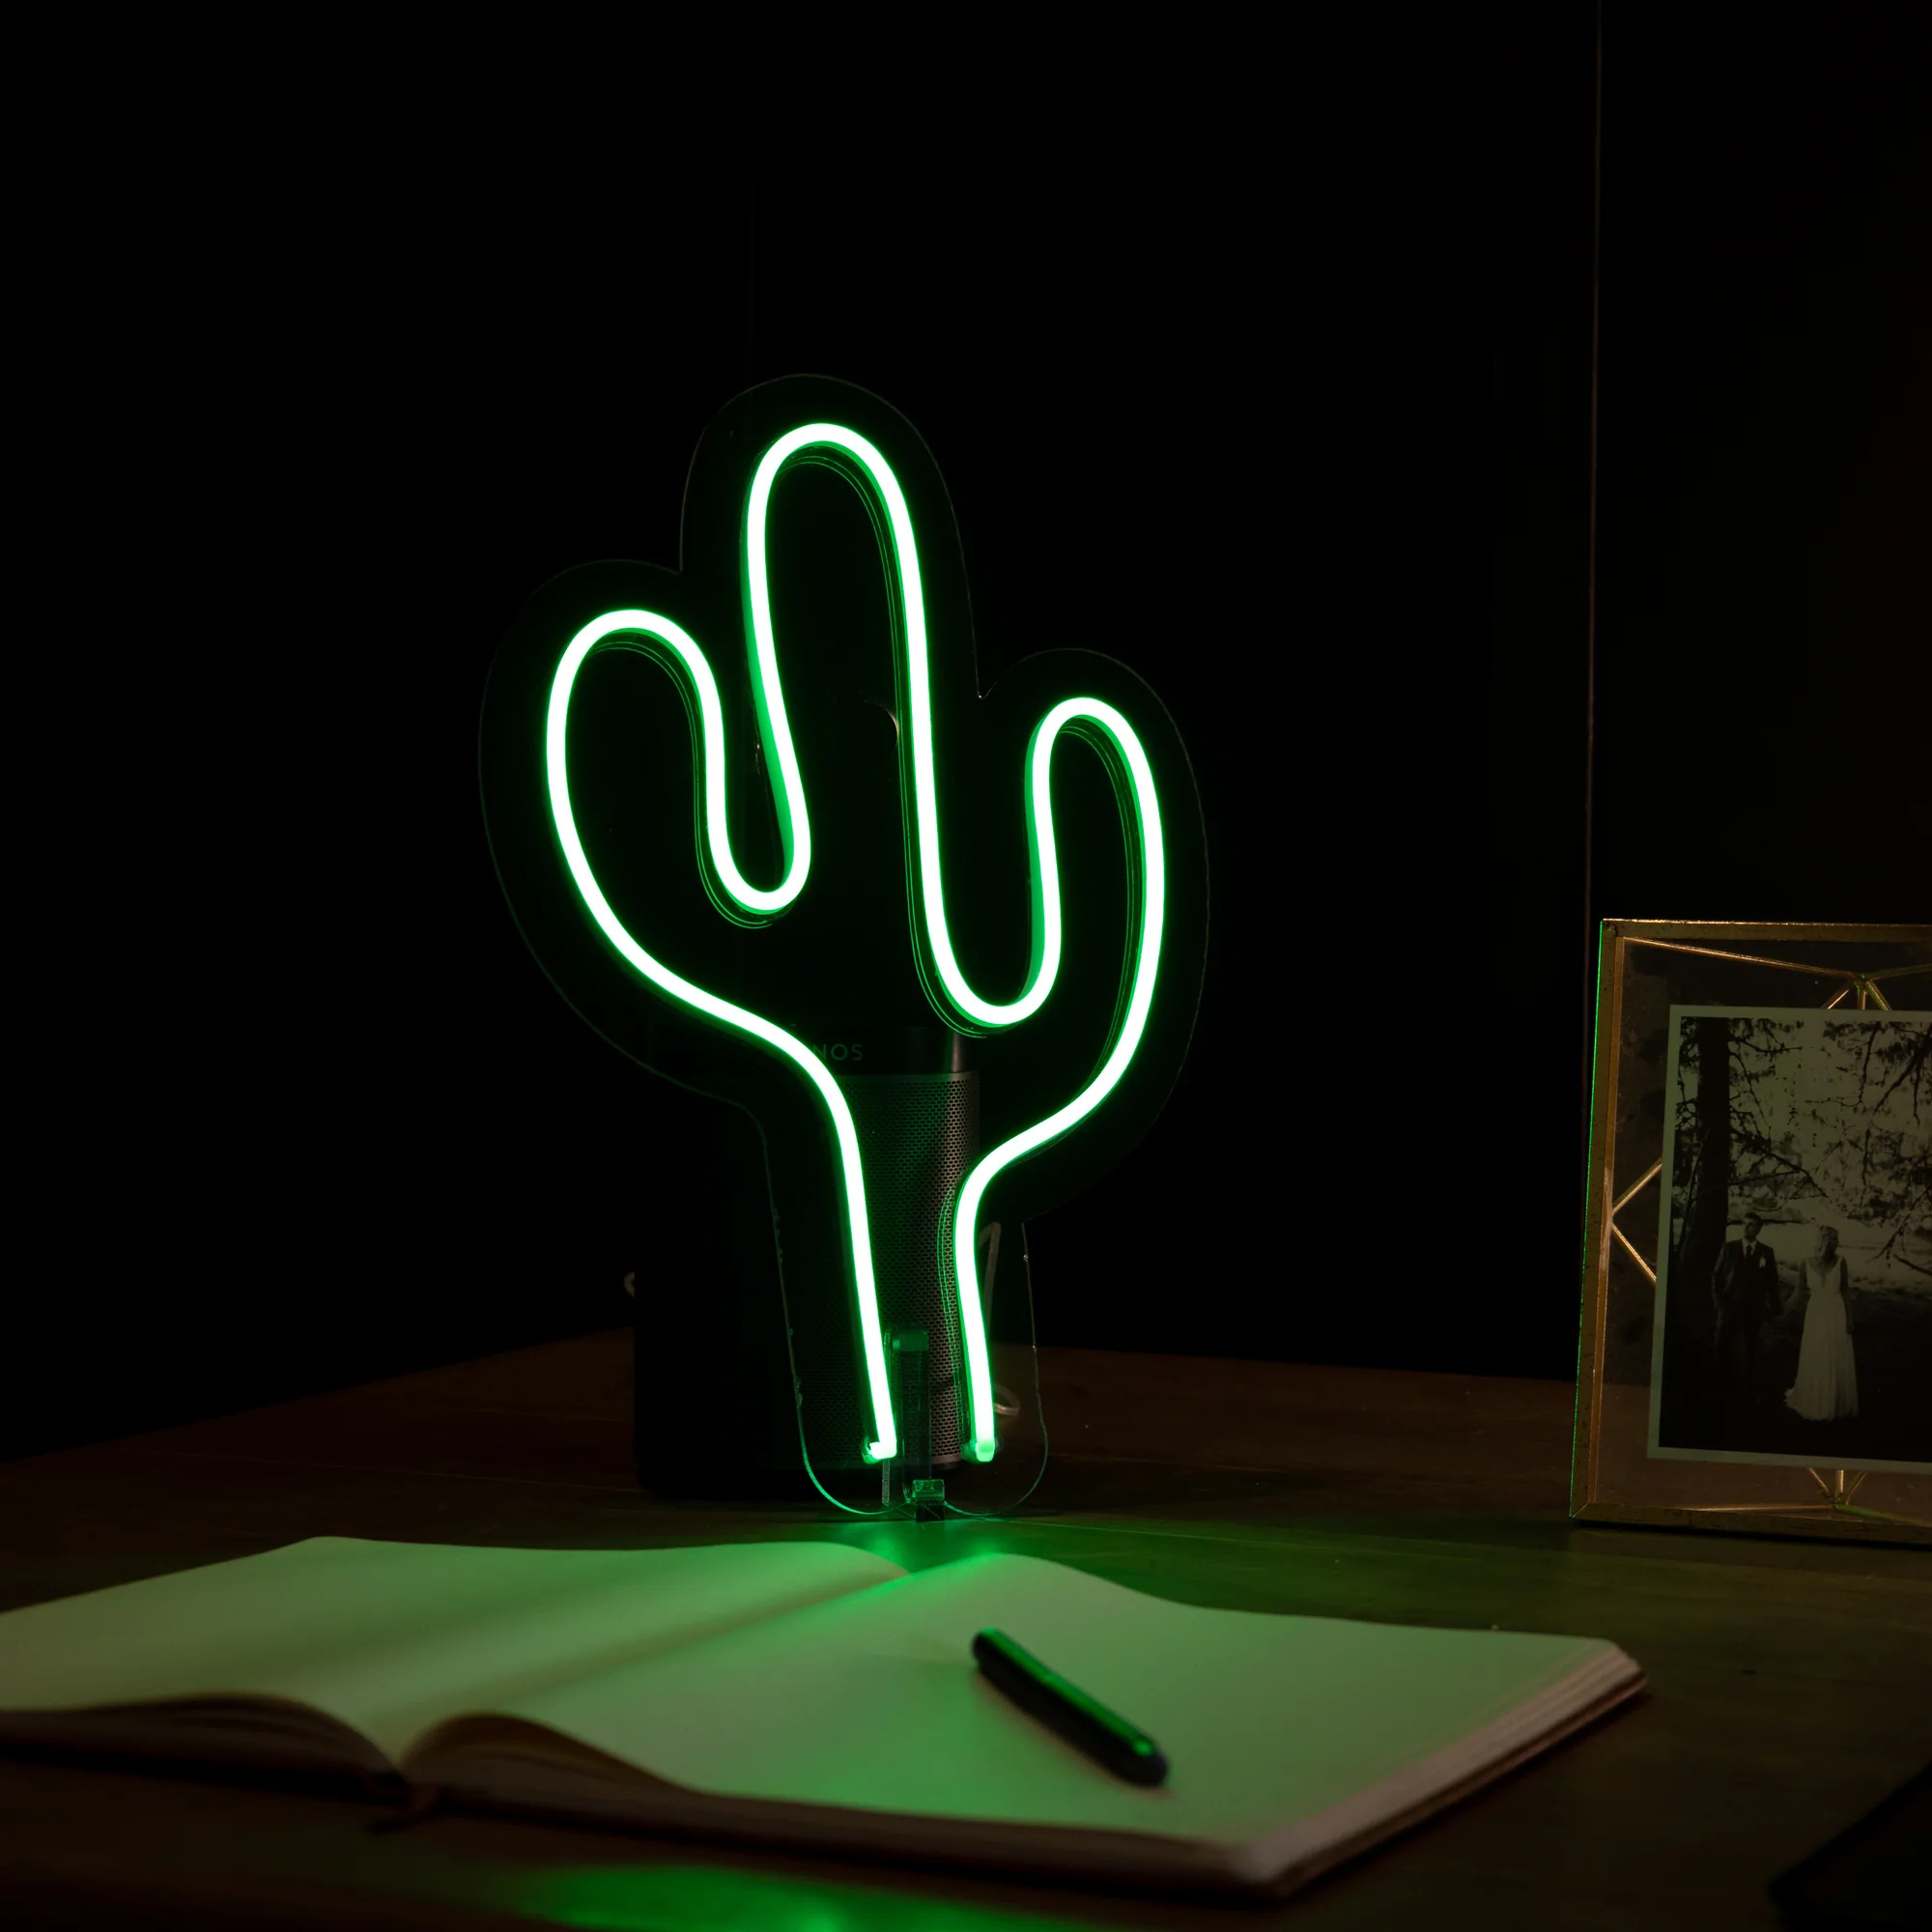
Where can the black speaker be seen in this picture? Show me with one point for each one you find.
(715, 1412)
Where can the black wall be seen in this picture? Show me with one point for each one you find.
(1266, 369)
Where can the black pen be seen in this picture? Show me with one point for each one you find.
(1084, 1724)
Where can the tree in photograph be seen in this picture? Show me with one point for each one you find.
(1704, 1133)
(1877, 1162)
(1766, 1164)
(1846, 1121)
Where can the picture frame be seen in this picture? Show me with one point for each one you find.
(1656, 980)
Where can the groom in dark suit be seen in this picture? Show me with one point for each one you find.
(1745, 1288)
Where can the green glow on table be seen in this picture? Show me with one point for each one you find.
(661, 1893)
(955, 1002)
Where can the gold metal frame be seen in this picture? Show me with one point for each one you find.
(1690, 1494)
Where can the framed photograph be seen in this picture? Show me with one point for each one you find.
(1756, 1347)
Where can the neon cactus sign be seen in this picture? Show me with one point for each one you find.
(538, 829)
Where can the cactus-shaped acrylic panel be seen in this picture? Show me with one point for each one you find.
(762, 829)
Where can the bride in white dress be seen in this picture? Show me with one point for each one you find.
(1827, 1387)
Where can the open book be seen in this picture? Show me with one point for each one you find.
(805, 1693)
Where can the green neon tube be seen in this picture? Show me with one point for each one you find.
(1126, 747)
(968, 1010)
(956, 1001)
(613, 626)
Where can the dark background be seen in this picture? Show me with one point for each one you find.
(1267, 367)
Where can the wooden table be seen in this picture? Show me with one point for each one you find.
(1791, 1684)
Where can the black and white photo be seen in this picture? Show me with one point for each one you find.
(1794, 1265)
